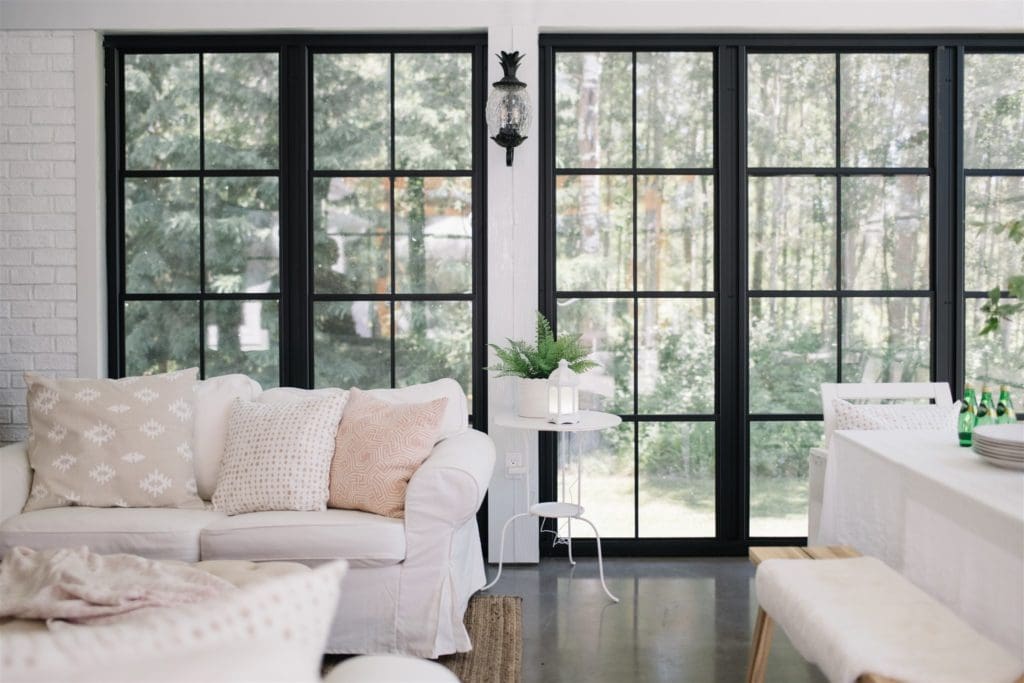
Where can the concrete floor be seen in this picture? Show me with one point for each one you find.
(678, 620)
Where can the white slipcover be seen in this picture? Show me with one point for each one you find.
(413, 606)
(362, 539)
(156, 533)
(213, 401)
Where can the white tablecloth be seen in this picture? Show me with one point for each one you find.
(939, 515)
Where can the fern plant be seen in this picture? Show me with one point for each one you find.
(537, 360)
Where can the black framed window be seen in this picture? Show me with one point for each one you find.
(832, 239)
(307, 210)
(634, 253)
(993, 187)
(838, 242)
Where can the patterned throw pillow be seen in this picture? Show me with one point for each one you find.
(894, 416)
(112, 442)
(379, 447)
(278, 455)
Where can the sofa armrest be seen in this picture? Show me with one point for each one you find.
(451, 483)
(15, 479)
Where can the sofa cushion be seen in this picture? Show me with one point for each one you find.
(156, 533)
(213, 403)
(363, 539)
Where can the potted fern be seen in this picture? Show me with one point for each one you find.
(531, 364)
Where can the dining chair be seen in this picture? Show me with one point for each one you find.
(868, 392)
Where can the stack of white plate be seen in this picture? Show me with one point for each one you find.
(1001, 445)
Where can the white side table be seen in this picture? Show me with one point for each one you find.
(590, 421)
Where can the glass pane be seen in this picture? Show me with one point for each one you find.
(240, 112)
(352, 344)
(434, 339)
(995, 358)
(242, 236)
(885, 228)
(792, 351)
(606, 484)
(994, 111)
(887, 340)
(606, 327)
(352, 235)
(675, 108)
(241, 336)
(434, 111)
(791, 228)
(160, 336)
(161, 234)
(593, 109)
(161, 111)
(884, 109)
(594, 225)
(434, 235)
(677, 479)
(990, 256)
(676, 233)
(676, 356)
(351, 111)
(791, 110)
(778, 476)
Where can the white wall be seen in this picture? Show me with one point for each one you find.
(67, 328)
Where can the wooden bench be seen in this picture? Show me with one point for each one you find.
(974, 646)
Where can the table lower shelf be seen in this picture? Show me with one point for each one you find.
(556, 510)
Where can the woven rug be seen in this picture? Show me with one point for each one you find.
(495, 625)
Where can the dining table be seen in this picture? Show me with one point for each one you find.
(934, 511)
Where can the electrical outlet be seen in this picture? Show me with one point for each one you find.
(515, 465)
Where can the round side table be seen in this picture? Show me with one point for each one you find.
(590, 421)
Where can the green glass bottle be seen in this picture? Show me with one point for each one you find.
(968, 413)
(1004, 410)
(986, 409)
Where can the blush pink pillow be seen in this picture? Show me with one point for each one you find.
(378, 448)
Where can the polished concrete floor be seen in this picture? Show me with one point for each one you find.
(681, 620)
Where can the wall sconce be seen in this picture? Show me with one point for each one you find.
(508, 107)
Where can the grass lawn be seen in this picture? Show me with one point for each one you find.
(677, 507)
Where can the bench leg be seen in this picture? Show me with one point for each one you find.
(760, 644)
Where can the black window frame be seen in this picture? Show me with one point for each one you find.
(296, 174)
(732, 294)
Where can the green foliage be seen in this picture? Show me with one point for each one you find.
(538, 360)
(995, 311)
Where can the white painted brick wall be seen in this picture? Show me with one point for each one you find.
(38, 274)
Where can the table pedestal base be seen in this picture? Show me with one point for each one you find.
(569, 511)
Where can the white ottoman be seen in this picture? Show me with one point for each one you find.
(389, 669)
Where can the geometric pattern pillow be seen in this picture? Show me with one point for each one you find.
(112, 442)
(379, 447)
(894, 416)
(278, 455)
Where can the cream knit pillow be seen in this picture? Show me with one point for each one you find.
(278, 455)
(112, 443)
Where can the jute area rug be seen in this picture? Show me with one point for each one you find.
(495, 625)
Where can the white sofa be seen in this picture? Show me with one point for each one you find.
(409, 580)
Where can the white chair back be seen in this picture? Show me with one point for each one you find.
(936, 392)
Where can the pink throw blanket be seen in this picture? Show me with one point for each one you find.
(77, 585)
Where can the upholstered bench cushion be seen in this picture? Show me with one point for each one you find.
(242, 573)
(363, 539)
(154, 533)
(858, 616)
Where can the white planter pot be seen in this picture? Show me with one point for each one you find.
(532, 397)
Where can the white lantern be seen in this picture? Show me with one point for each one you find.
(563, 395)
